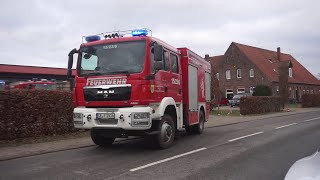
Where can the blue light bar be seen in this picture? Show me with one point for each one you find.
(139, 32)
(93, 38)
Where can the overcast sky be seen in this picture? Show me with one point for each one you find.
(41, 33)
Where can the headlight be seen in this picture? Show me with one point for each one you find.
(140, 119)
(141, 115)
(77, 118)
(77, 115)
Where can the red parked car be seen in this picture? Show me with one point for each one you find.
(224, 102)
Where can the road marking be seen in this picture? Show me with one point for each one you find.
(311, 119)
(167, 159)
(285, 126)
(231, 140)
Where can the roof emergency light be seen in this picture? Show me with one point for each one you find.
(93, 38)
(139, 32)
(117, 34)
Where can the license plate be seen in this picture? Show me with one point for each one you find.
(105, 116)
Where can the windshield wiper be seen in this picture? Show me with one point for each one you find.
(92, 74)
(127, 73)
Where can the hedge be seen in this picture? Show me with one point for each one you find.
(35, 113)
(310, 100)
(259, 105)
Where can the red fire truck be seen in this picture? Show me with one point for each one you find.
(137, 85)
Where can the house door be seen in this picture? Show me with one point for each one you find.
(229, 94)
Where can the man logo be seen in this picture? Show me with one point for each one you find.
(152, 88)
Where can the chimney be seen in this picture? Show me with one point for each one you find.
(206, 57)
(279, 54)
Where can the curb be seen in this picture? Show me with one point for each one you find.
(58, 150)
(40, 153)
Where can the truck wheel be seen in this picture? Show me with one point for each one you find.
(200, 126)
(166, 132)
(99, 140)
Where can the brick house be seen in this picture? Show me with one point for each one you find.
(243, 67)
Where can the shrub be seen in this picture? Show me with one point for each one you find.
(259, 104)
(310, 100)
(35, 113)
(262, 90)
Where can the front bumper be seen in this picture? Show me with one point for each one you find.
(122, 118)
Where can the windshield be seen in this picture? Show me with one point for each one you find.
(237, 96)
(45, 86)
(113, 58)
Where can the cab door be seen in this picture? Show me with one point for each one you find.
(163, 77)
(174, 85)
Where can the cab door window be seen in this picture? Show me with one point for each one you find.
(174, 63)
(166, 60)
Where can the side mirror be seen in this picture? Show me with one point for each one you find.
(70, 62)
(158, 65)
(158, 52)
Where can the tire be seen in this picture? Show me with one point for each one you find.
(198, 128)
(99, 140)
(164, 139)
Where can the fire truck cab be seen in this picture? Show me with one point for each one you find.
(139, 85)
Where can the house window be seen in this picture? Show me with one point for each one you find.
(293, 94)
(311, 91)
(217, 76)
(290, 72)
(229, 93)
(228, 76)
(238, 73)
(307, 91)
(251, 72)
(241, 90)
(252, 90)
(304, 91)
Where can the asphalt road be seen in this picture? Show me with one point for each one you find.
(261, 149)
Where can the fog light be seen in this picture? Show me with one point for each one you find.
(77, 118)
(140, 123)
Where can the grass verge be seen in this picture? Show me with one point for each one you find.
(225, 112)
